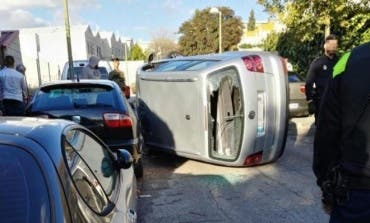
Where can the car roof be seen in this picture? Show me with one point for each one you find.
(81, 81)
(28, 126)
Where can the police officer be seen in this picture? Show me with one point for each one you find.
(319, 73)
(342, 140)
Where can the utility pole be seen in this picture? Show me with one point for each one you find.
(68, 35)
(37, 39)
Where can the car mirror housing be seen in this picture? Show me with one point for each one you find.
(124, 159)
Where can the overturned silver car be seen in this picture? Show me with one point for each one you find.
(228, 109)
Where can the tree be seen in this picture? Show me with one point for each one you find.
(307, 21)
(251, 21)
(200, 34)
(162, 44)
(136, 53)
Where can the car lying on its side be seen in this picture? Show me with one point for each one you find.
(99, 105)
(229, 109)
(59, 171)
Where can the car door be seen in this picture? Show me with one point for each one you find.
(102, 194)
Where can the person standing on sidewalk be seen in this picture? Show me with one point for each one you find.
(319, 73)
(117, 75)
(341, 159)
(22, 69)
(13, 89)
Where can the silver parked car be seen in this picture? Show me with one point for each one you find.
(229, 109)
(58, 171)
(297, 105)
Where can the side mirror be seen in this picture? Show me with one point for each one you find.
(124, 159)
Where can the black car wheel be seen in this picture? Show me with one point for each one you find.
(138, 168)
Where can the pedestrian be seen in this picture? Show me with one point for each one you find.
(341, 161)
(117, 75)
(91, 70)
(319, 73)
(22, 69)
(13, 89)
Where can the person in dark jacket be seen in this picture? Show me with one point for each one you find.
(319, 73)
(117, 75)
(341, 161)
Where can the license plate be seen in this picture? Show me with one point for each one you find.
(293, 105)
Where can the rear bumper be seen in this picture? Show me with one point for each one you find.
(298, 107)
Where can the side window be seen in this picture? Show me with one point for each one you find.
(91, 168)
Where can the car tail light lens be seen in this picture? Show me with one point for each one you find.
(117, 120)
(253, 63)
(302, 88)
(253, 159)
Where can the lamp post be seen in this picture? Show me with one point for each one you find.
(215, 10)
(68, 36)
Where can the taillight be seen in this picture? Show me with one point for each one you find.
(253, 63)
(117, 120)
(253, 159)
(302, 88)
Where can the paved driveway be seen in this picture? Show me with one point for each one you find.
(178, 190)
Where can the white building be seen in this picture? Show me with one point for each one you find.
(51, 49)
(44, 52)
(116, 45)
(9, 45)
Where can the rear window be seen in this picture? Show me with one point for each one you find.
(23, 191)
(294, 77)
(103, 72)
(75, 97)
(182, 65)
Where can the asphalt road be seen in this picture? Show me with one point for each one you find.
(178, 190)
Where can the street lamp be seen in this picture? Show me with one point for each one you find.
(215, 10)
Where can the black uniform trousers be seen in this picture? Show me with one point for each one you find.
(354, 210)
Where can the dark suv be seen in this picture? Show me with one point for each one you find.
(98, 105)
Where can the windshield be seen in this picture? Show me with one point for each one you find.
(71, 97)
(103, 72)
(23, 190)
(294, 77)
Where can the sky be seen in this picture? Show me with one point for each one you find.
(141, 20)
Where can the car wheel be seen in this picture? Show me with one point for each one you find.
(138, 168)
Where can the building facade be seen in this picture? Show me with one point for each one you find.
(44, 52)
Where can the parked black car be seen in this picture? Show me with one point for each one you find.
(99, 105)
(59, 171)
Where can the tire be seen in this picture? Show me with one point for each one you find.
(139, 168)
